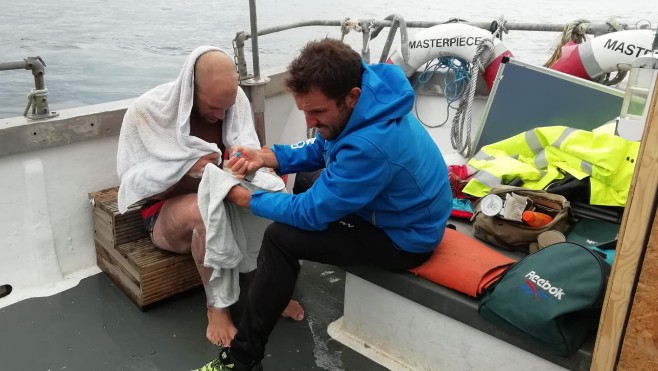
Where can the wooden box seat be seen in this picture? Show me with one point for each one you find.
(126, 254)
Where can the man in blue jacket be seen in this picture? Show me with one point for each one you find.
(383, 199)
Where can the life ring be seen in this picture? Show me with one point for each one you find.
(450, 40)
(602, 54)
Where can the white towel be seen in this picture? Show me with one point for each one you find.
(155, 145)
(233, 233)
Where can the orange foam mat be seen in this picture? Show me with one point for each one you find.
(464, 264)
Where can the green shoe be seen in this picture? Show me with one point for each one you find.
(224, 363)
(217, 364)
(214, 365)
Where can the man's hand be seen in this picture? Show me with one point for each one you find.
(196, 171)
(244, 161)
(239, 195)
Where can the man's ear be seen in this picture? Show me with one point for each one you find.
(353, 97)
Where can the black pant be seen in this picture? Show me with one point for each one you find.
(351, 241)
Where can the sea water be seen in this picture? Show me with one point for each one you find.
(99, 51)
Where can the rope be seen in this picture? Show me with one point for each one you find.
(455, 81)
(462, 121)
(348, 25)
(614, 25)
(499, 27)
(575, 31)
(31, 97)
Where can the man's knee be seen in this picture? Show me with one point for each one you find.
(278, 247)
(274, 233)
(178, 224)
(182, 213)
(277, 240)
(193, 214)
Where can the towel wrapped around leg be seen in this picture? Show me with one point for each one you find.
(233, 233)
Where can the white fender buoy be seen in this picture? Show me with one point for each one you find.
(602, 54)
(450, 40)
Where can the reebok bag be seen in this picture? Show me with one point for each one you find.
(553, 295)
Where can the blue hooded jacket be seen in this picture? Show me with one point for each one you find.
(383, 166)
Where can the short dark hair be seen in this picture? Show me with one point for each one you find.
(328, 65)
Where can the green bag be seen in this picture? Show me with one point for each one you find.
(553, 295)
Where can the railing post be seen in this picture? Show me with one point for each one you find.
(257, 95)
(37, 105)
(256, 84)
(365, 51)
(39, 96)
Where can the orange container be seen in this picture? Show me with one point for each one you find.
(536, 219)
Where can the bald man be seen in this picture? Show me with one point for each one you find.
(173, 217)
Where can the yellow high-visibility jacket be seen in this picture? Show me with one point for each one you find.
(541, 156)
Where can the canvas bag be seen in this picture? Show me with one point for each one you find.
(516, 236)
(553, 295)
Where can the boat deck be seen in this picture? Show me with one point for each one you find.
(94, 326)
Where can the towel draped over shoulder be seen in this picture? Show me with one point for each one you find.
(155, 146)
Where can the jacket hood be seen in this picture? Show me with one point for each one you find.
(386, 95)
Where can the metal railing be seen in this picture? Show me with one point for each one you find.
(370, 29)
(37, 104)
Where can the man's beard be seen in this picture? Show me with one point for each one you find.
(333, 131)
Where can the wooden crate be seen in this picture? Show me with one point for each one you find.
(125, 253)
(111, 228)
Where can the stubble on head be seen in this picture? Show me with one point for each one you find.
(215, 85)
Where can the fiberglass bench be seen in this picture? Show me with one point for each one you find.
(126, 254)
(426, 326)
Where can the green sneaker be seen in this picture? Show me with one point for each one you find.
(217, 364)
(224, 363)
(214, 365)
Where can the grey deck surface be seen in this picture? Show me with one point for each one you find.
(94, 326)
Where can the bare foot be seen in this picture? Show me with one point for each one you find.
(221, 329)
(294, 310)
